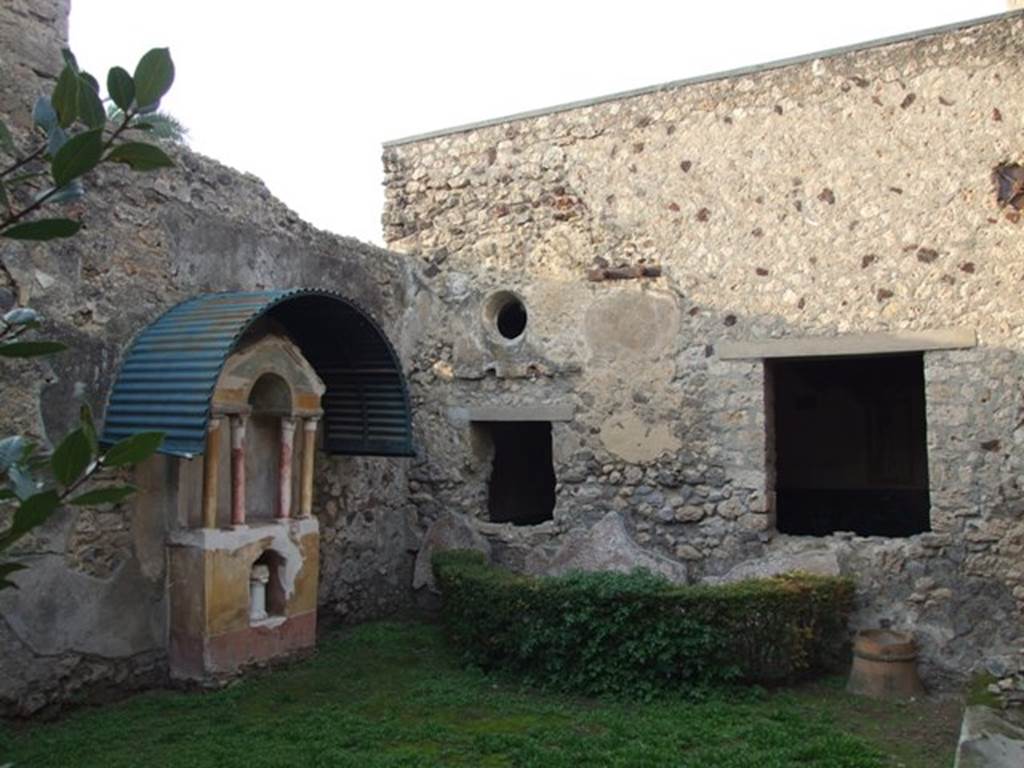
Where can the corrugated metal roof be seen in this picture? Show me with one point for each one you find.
(168, 374)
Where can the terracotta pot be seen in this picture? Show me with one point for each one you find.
(884, 665)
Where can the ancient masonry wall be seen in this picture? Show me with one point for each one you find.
(840, 195)
(92, 607)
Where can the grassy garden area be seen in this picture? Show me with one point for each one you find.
(393, 694)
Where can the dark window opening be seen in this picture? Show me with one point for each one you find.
(850, 448)
(511, 319)
(522, 486)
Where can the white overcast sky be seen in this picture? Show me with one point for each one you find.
(303, 92)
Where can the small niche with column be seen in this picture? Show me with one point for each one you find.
(236, 382)
(244, 569)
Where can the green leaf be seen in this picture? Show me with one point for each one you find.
(6, 140)
(89, 428)
(72, 457)
(65, 97)
(30, 348)
(153, 77)
(111, 495)
(32, 513)
(43, 114)
(133, 449)
(43, 229)
(121, 88)
(90, 107)
(89, 80)
(6, 494)
(140, 156)
(79, 155)
(69, 58)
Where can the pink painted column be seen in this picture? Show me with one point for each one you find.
(284, 467)
(308, 457)
(238, 469)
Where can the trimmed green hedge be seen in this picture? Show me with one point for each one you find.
(597, 633)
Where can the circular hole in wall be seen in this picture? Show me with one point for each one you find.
(506, 313)
(512, 320)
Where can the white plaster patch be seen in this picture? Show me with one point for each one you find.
(631, 325)
(283, 537)
(633, 439)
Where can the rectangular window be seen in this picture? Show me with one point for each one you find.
(522, 484)
(848, 440)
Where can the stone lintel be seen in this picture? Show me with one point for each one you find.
(466, 414)
(849, 344)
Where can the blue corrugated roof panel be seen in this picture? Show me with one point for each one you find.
(169, 372)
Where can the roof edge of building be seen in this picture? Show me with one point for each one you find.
(713, 76)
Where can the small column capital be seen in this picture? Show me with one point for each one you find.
(238, 422)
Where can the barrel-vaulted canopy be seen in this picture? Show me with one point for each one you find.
(168, 375)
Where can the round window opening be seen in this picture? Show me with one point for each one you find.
(506, 313)
(512, 320)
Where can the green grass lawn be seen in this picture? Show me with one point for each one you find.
(390, 694)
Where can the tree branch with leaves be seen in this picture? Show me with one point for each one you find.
(74, 137)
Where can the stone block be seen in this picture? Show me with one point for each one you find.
(450, 531)
(784, 557)
(607, 546)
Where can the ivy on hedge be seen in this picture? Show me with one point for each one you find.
(613, 633)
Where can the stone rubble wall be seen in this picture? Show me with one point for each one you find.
(91, 612)
(847, 194)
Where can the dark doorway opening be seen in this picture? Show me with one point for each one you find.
(850, 449)
(522, 486)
